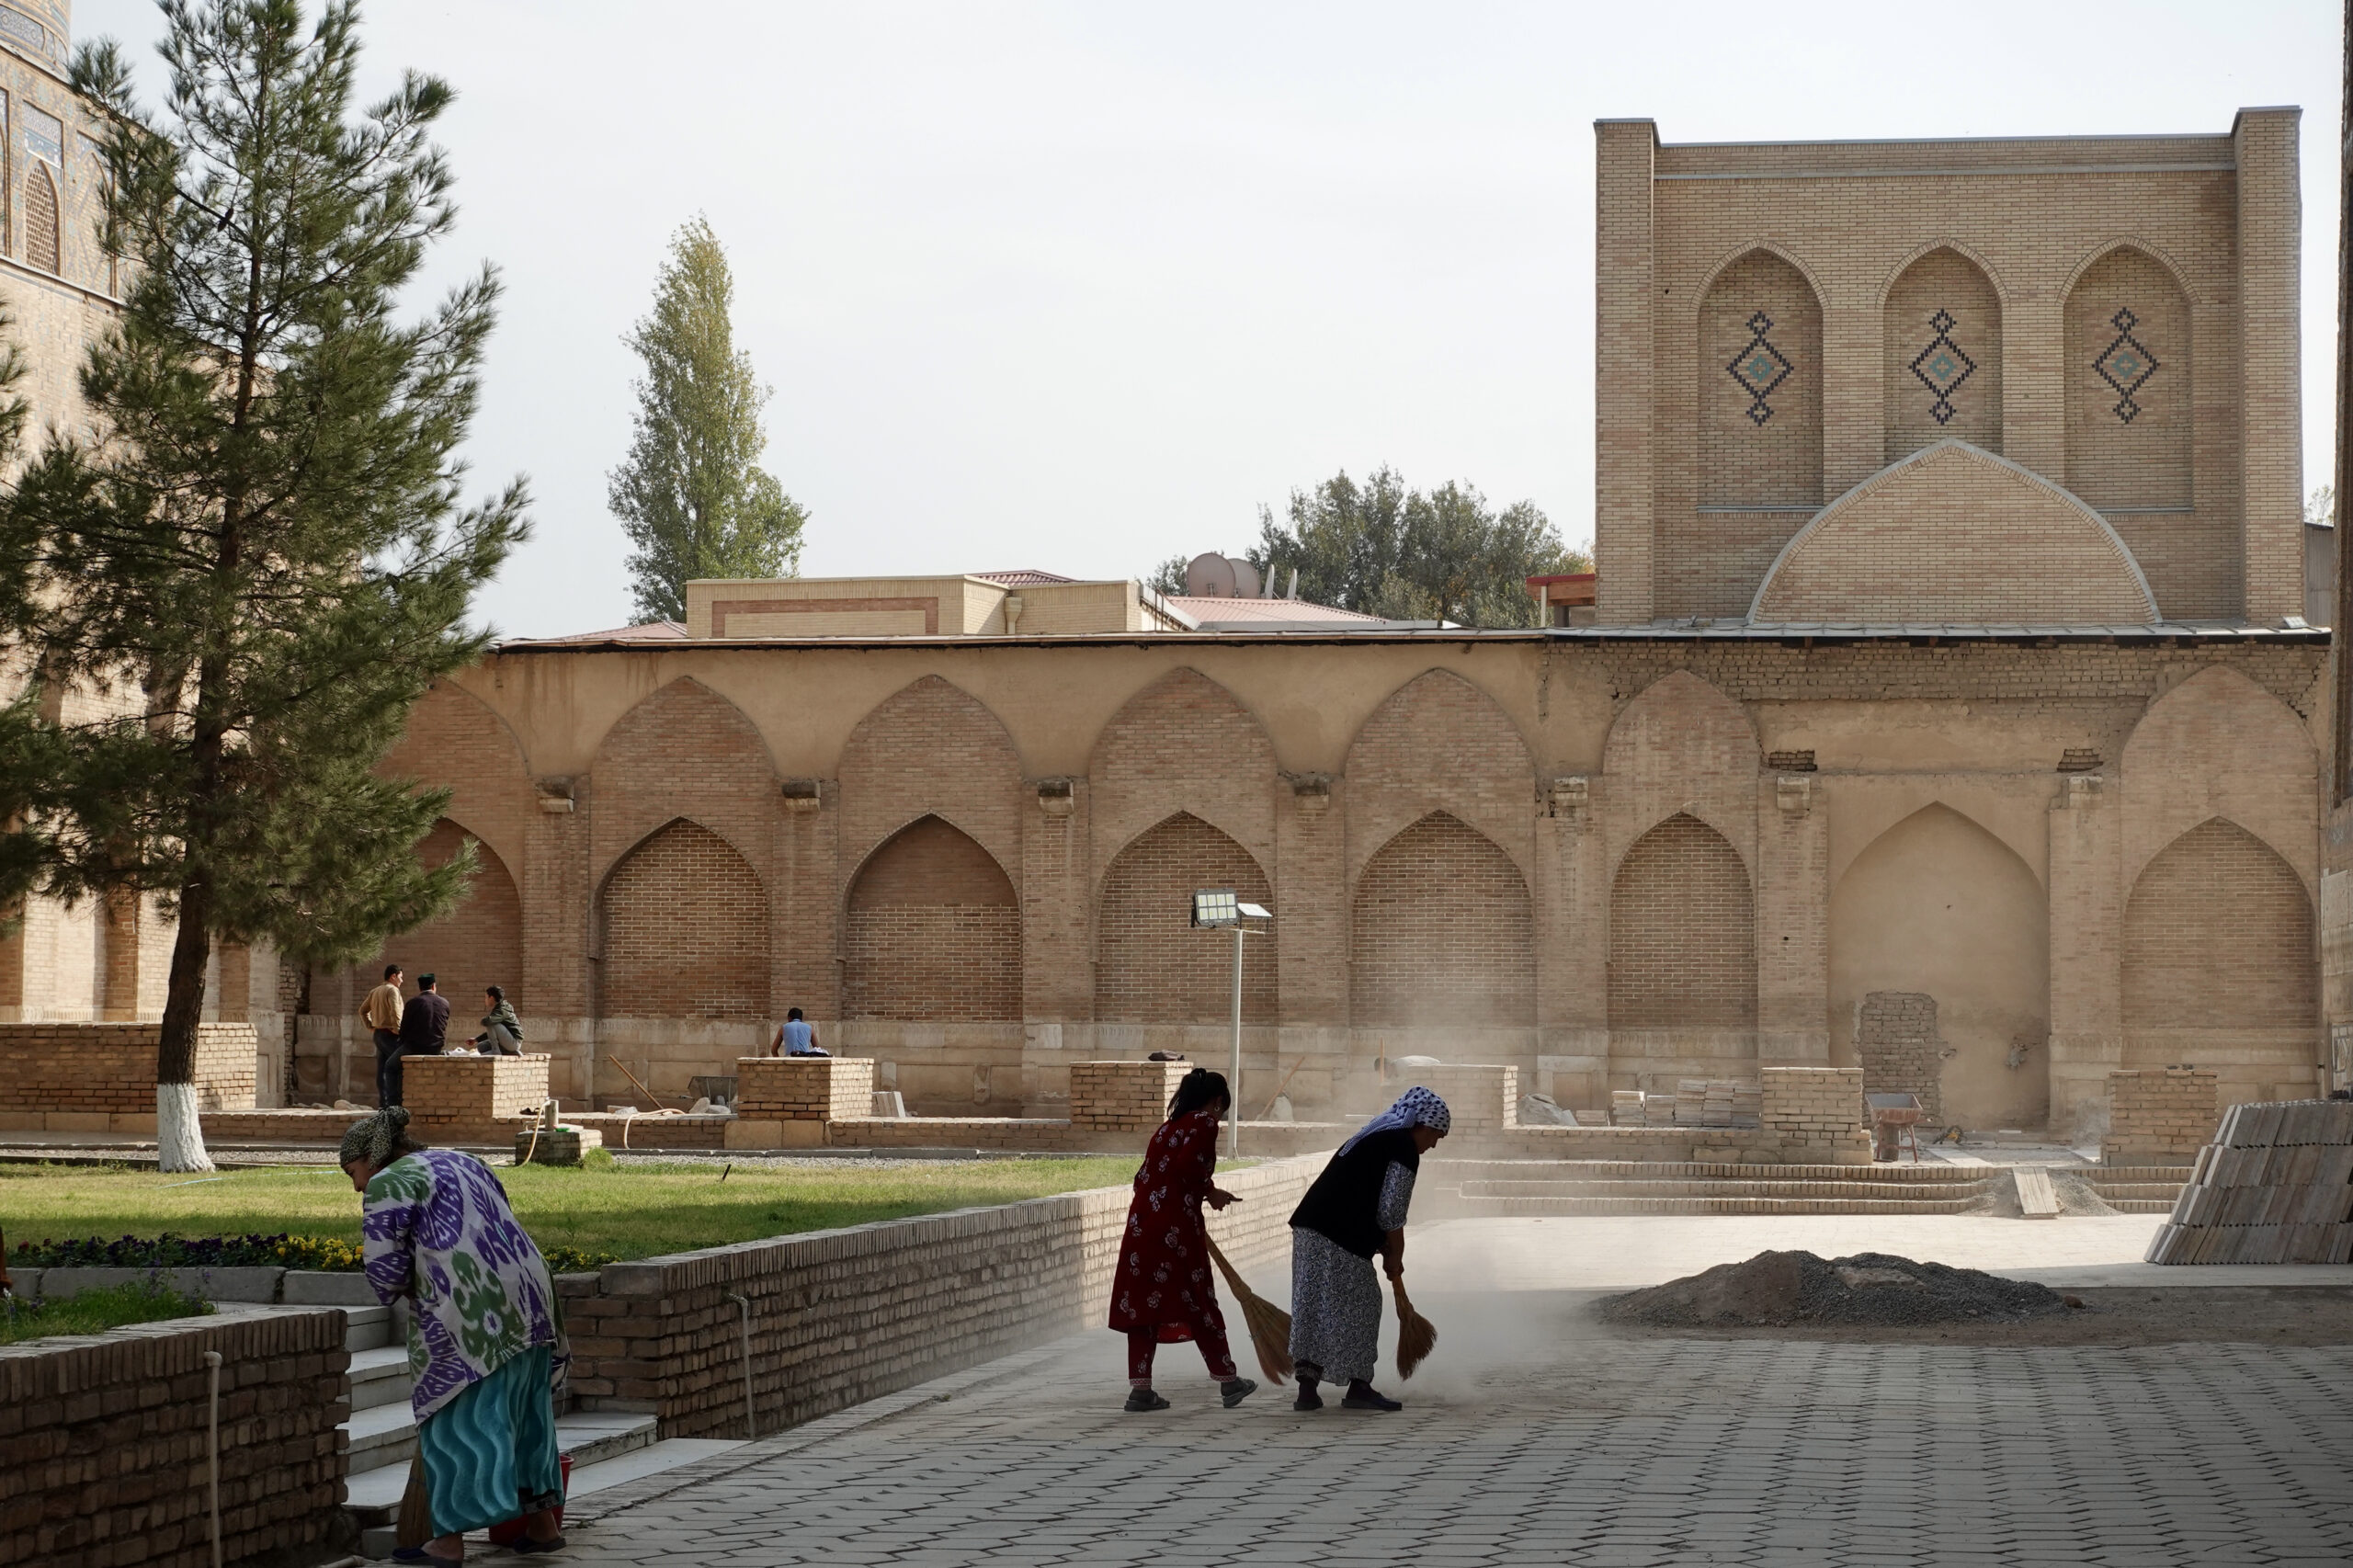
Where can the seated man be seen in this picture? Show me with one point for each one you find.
(795, 1037)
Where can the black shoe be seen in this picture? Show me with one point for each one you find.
(1308, 1398)
(1235, 1390)
(1367, 1397)
(1142, 1400)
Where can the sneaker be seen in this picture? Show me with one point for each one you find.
(1235, 1390)
(1371, 1399)
(1308, 1399)
(1142, 1400)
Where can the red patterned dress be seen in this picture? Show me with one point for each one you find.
(1161, 1293)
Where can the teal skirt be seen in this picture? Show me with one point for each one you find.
(490, 1453)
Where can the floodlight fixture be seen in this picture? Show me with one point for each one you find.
(1256, 911)
(1217, 907)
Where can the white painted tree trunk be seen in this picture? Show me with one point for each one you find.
(179, 1136)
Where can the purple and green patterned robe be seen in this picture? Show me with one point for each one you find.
(438, 1229)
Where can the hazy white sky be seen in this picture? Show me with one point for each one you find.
(1079, 285)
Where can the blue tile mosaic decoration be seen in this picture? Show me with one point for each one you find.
(1759, 367)
(1942, 366)
(2126, 365)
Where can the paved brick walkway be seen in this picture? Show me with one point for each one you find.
(1522, 1445)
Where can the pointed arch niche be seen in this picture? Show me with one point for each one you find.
(1151, 966)
(2218, 950)
(1760, 387)
(1940, 942)
(934, 932)
(1442, 932)
(1943, 346)
(479, 942)
(2129, 404)
(1682, 932)
(685, 926)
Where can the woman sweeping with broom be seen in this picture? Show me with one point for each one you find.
(1356, 1209)
(1161, 1292)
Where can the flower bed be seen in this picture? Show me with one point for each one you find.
(282, 1251)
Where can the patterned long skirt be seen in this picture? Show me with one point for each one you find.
(1334, 1307)
(490, 1454)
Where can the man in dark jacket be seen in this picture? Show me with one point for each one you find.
(424, 1025)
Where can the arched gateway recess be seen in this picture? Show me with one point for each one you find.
(1151, 966)
(2218, 936)
(686, 930)
(934, 932)
(478, 943)
(1682, 932)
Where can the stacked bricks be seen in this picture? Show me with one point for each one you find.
(1817, 1114)
(2272, 1187)
(1718, 1102)
(804, 1088)
(843, 1316)
(555, 1146)
(2158, 1115)
(102, 1443)
(1123, 1095)
(101, 1077)
(1482, 1098)
(473, 1097)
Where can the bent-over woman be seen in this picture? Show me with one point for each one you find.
(1161, 1292)
(1356, 1209)
(485, 1345)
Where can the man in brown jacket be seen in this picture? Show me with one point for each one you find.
(381, 1012)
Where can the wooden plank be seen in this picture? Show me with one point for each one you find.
(2035, 1197)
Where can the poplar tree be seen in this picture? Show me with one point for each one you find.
(691, 494)
(234, 581)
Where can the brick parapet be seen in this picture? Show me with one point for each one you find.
(1125, 1095)
(471, 1096)
(2158, 1115)
(804, 1088)
(103, 1442)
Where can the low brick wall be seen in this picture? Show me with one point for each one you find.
(101, 1077)
(102, 1442)
(1481, 1098)
(804, 1088)
(280, 1125)
(2158, 1115)
(843, 1316)
(1123, 1095)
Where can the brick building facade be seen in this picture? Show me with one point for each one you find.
(1949, 716)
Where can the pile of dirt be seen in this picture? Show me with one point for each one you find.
(1774, 1290)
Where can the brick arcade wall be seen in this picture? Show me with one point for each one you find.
(843, 1316)
(1682, 931)
(108, 1069)
(1442, 932)
(103, 1442)
(2158, 1115)
(478, 944)
(1152, 966)
(686, 930)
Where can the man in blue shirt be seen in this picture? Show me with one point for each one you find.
(795, 1037)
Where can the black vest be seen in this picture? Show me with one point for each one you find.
(1345, 1199)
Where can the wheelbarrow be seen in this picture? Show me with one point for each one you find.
(1893, 1119)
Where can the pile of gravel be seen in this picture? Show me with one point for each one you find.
(1776, 1288)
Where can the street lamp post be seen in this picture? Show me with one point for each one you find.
(1222, 909)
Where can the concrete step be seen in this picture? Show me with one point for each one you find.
(1533, 1206)
(379, 1377)
(367, 1328)
(375, 1498)
(1760, 1187)
(382, 1436)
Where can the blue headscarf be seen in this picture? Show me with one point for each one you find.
(1417, 1107)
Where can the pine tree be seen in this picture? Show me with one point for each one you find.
(256, 558)
(691, 494)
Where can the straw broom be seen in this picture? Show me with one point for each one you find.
(1417, 1335)
(1269, 1325)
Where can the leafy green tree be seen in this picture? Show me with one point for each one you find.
(691, 494)
(233, 585)
(1168, 578)
(1443, 554)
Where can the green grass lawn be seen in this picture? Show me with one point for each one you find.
(629, 1210)
(94, 1311)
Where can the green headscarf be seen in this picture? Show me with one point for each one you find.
(376, 1138)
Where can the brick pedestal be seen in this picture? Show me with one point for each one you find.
(1124, 1096)
(1815, 1114)
(474, 1098)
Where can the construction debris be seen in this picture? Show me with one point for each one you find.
(1778, 1289)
